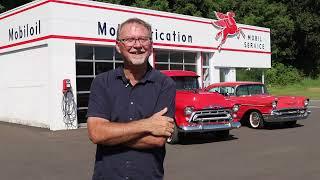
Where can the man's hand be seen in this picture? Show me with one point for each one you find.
(160, 125)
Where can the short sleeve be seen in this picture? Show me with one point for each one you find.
(167, 97)
(99, 100)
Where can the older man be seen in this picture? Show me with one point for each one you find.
(131, 111)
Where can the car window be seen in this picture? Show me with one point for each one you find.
(251, 89)
(242, 91)
(215, 89)
(225, 90)
(186, 83)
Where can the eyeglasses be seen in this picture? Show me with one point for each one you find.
(131, 41)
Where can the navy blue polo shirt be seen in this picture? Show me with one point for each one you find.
(112, 97)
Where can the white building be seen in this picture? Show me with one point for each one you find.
(46, 41)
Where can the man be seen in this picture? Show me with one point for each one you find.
(131, 111)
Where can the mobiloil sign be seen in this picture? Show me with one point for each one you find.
(24, 31)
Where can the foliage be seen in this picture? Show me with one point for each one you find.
(249, 74)
(307, 87)
(283, 75)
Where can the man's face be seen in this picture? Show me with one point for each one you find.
(134, 44)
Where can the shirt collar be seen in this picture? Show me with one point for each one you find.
(148, 76)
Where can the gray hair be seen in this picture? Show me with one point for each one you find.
(134, 21)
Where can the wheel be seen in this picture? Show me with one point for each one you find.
(256, 120)
(174, 139)
(290, 123)
(222, 134)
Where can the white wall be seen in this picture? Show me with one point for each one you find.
(62, 63)
(24, 86)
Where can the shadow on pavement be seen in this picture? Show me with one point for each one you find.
(203, 139)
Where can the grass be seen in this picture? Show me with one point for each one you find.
(308, 87)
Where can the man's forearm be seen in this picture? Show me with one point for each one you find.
(104, 132)
(146, 142)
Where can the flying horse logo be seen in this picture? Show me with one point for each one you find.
(228, 25)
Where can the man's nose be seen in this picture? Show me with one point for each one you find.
(137, 43)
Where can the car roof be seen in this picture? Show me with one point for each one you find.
(179, 73)
(234, 83)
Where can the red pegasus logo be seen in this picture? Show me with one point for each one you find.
(228, 25)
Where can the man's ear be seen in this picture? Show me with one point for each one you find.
(117, 47)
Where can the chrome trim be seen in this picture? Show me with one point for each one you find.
(284, 115)
(209, 127)
(211, 115)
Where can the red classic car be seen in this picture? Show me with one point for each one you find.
(258, 107)
(199, 111)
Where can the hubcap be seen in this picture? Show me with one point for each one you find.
(254, 119)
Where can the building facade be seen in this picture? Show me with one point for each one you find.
(47, 41)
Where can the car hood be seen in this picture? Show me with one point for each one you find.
(202, 100)
(290, 101)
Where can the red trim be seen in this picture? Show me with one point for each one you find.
(56, 37)
(28, 8)
(185, 46)
(255, 29)
(241, 50)
(112, 40)
(120, 10)
(128, 11)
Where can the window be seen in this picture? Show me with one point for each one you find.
(175, 60)
(91, 61)
(205, 69)
(251, 89)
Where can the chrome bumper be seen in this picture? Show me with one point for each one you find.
(277, 116)
(209, 127)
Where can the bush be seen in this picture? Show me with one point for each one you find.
(281, 75)
(252, 74)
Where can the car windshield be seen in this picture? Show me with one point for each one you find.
(251, 89)
(186, 83)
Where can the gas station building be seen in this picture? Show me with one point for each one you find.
(46, 42)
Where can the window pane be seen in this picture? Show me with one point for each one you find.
(176, 67)
(190, 68)
(103, 67)
(119, 64)
(84, 52)
(83, 84)
(242, 90)
(162, 66)
(118, 56)
(205, 74)
(103, 53)
(205, 59)
(82, 100)
(161, 56)
(81, 115)
(190, 57)
(84, 68)
(176, 56)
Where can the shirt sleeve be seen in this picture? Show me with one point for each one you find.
(99, 100)
(167, 97)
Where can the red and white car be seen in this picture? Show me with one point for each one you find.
(198, 111)
(258, 107)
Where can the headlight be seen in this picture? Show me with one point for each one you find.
(235, 108)
(306, 102)
(188, 110)
(274, 104)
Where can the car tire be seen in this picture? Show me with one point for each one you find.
(175, 137)
(255, 120)
(224, 134)
(290, 123)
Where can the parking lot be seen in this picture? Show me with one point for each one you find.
(277, 152)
